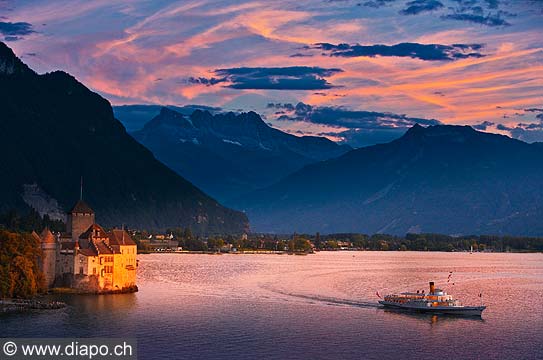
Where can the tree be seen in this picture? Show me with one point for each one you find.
(188, 234)
(29, 221)
(318, 242)
(215, 243)
(332, 244)
(20, 275)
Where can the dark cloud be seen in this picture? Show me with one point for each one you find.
(503, 127)
(377, 3)
(429, 52)
(529, 132)
(12, 38)
(207, 81)
(492, 4)
(286, 106)
(528, 135)
(489, 20)
(474, 11)
(339, 116)
(363, 127)
(483, 126)
(15, 29)
(530, 126)
(276, 78)
(419, 6)
(300, 55)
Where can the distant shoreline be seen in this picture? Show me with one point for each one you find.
(272, 252)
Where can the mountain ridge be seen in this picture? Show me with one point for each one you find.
(447, 179)
(53, 130)
(239, 147)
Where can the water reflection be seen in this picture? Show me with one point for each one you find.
(322, 306)
(433, 319)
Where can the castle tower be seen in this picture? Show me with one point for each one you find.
(49, 256)
(80, 218)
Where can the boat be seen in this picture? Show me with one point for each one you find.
(436, 301)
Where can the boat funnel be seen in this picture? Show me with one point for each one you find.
(432, 287)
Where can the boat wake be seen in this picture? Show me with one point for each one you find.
(327, 300)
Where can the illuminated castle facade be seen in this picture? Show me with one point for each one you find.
(88, 258)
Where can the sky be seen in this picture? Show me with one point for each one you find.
(359, 71)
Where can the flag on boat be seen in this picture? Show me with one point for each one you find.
(377, 293)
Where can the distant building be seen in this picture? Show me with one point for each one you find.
(88, 258)
(344, 245)
(163, 245)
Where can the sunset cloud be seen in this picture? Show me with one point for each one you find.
(419, 6)
(279, 78)
(13, 31)
(489, 20)
(371, 58)
(359, 128)
(430, 52)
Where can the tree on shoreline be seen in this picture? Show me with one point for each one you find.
(20, 275)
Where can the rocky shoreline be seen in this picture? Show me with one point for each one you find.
(20, 305)
(82, 291)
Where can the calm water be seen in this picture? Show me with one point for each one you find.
(319, 306)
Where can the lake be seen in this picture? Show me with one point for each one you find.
(320, 306)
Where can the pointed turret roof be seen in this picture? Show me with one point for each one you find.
(81, 207)
(47, 236)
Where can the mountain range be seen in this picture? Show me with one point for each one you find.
(445, 179)
(134, 117)
(442, 178)
(227, 154)
(53, 131)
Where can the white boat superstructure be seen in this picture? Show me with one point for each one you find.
(436, 301)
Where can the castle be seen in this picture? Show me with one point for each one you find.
(87, 258)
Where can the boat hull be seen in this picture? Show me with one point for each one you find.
(449, 310)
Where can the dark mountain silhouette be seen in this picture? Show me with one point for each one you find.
(53, 130)
(230, 154)
(134, 117)
(446, 179)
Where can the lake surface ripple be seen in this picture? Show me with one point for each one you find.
(320, 306)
